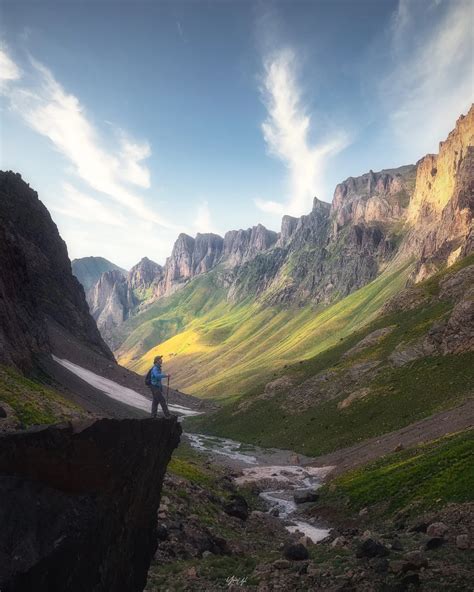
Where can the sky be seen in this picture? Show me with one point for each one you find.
(137, 120)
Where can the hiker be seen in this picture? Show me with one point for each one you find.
(153, 379)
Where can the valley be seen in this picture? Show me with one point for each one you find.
(322, 382)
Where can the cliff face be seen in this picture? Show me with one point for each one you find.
(437, 173)
(78, 504)
(373, 198)
(335, 249)
(115, 296)
(190, 257)
(37, 286)
(242, 245)
(441, 210)
(110, 301)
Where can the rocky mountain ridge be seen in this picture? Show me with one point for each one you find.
(422, 211)
(89, 269)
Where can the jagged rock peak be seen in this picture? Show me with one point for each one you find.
(242, 245)
(144, 274)
(288, 227)
(380, 197)
(319, 205)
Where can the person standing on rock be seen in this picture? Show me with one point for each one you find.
(153, 378)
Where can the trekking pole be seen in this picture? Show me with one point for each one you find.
(167, 389)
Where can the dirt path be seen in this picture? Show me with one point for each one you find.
(425, 430)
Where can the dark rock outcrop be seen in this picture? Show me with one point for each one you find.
(78, 504)
(36, 283)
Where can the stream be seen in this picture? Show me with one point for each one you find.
(279, 474)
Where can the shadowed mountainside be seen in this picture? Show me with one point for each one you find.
(37, 286)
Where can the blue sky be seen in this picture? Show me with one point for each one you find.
(137, 120)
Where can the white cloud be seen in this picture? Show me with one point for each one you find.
(51, 111)
(131, 155)
(9, 71)
(203, 222)
(76, 204)
(431, 81)
(286, 132)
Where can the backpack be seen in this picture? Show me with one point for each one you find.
(148, 377)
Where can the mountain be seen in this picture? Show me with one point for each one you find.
(313, 258)
(89, 269)
(39, 293)
(115, 296)
(44, 315)
(325, 277)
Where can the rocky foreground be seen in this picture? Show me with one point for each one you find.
(215, 536)
(78, 504)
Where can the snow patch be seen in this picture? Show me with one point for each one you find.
(117, 391)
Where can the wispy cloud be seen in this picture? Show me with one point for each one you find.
(203, 222)
(47, 108)
(76, 204)
(431, 80)
(287, 132)
(9, 71)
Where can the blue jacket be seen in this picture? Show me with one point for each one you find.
(156, 375)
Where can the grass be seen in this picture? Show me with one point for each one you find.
(226, 350)
(399, 398)
(32, 402)
(189, 464)
(425, 477)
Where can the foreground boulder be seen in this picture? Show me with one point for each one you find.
(78, 504)
(371, 548)
(305, 496)
(238, 507)
(296, 552)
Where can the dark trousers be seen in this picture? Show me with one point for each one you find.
(158, 397)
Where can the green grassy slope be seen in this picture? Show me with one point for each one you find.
(31, 402)
(425, 477)
(224, 350)
(395, 397)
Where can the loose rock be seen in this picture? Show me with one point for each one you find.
(437, 530)
(297, 552)
(303, 497)
(237, 507)
(371, 548)
(462, 541)
(434, 543)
